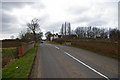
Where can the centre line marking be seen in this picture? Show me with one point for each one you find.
(87, 66)
(57, 47)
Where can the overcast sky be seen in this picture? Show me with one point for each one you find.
(53, 13)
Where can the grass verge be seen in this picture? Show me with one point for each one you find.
(21, 67)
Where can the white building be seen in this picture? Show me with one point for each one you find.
(54, 36)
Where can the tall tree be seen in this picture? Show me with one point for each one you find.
(65, 28)
(34, 26)
(69, 29)
(62, 30)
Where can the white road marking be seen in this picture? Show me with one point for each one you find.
(87, 66)
(57, 47)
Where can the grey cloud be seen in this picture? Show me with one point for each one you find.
(119, 15)
(77, 10)
(38, 5)
(43, 19)
(90, 20)
(97, 23)
(9, 23)
(8, 28)
(108, 4)
(10, 5)
(0, 18)
(7, 18)
(55, 26)
(83, 19)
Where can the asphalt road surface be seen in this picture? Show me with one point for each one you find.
(57, 61)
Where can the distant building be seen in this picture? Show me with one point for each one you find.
(55, 36)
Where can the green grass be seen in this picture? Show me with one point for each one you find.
(9, 52)
(67, 43)
(24, 65)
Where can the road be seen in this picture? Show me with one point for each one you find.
(57, 61)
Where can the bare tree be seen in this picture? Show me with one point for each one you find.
(34, 26)
(114, 34)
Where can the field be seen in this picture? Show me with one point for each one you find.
(9, 54)
(9, 51)
(101, 46)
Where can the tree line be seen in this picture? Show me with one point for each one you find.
(95, 32)
(91, 32)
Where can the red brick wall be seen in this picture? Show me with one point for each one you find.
(24, 48)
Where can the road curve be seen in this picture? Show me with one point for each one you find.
(57, 61)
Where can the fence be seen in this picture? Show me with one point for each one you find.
(24, 48)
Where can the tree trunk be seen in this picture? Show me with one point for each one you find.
(34, 38)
